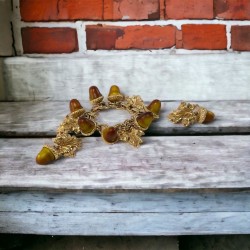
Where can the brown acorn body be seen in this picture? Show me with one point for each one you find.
(155, 107)
(95, 95)
(86, 126)
(209, 117)
(74, 105)
(110, 135)
(145, 119)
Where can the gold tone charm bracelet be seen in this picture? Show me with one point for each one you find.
(82, 122)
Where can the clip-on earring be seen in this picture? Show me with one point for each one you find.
(188, 114)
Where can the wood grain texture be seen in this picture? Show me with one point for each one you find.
(125, 223)
(151, 75)
(123, 202)
(93, 213)
(161, 163)
(31, 119)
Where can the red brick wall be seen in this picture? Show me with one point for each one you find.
(56, 26)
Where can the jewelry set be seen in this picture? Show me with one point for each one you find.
(81, 122)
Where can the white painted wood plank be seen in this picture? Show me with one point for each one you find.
(31, 119)
(151, 75)
(185, 162)
(133, 202)
(125, 223)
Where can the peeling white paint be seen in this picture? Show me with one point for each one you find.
(223, 76)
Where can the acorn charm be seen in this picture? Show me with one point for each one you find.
(45, 156)
(87, 127)
(144, 120)
(95, 95)
(74, 105)
(155, 107)
(209, 116)
(110, 135)
(115, 94)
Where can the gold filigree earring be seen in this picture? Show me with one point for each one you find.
(82, 122)
(188, 114)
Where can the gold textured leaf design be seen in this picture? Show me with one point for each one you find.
(135, 103)
(67, 144)
(135, 137)
(69, 124)
(186, 114)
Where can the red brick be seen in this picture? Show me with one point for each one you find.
(147, 37)
(189, 9)
(240, 36)
(131, 10)
(232, 9)
(204, 36)
(54, 10)
(49, 40)
(130, 37)
(162, 9)
(99, 37)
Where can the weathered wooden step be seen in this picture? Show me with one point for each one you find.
(31, 119)
(125, 213)
(158, 74)
(161, 163)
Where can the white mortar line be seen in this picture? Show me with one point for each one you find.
(50, 24)
(228, 29)
(176, 23)
(81, 34)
